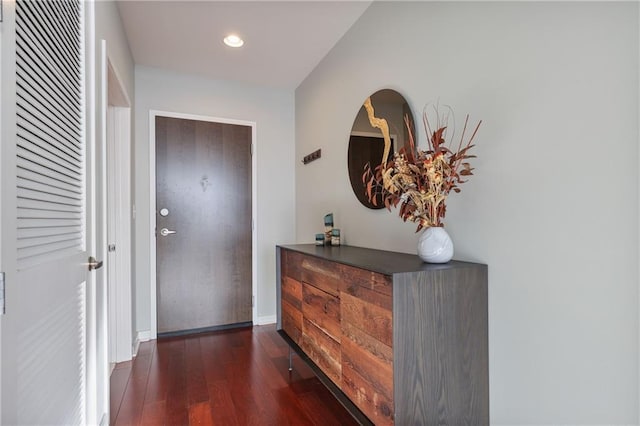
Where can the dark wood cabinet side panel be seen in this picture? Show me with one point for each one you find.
(372, 319)
(322, 309)
(279, 258)
(368, 381)
(322, 350)
(441, 341)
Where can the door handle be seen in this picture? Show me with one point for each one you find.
(94, 264)
(164, 232)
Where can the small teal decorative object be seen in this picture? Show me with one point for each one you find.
(328, 227)
(335, 237)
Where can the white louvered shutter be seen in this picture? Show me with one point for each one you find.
(50, 130)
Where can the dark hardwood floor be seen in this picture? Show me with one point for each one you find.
(234, 377)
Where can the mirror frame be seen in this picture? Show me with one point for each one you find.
(366, 143)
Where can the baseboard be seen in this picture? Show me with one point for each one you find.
(204, 329)
(269, 319)
(141, 336)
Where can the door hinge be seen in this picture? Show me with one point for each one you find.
(253, 300)
(2, 299)
(1, 10)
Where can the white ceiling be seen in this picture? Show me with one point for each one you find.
(284, 40)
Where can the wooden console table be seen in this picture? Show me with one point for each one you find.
(396, 340)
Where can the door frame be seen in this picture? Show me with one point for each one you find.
(116, 132)
(152, 208)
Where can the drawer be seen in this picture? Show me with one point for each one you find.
(322, 274)
(367, 354)
(368, 381)
(323, 350)
(291, 263)
(357, 279)
(322, 309)
(373, 320)
(291, 291)
(291, 318)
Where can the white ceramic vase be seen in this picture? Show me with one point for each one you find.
(435, 245)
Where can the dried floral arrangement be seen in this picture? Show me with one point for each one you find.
(420, 181)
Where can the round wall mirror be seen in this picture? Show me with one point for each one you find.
(366, 143)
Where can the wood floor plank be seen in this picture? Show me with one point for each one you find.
(223, 410)
(119, 380)
(310, 403)
(176, 402)
(197, 390)
(230, 378)
(200, 414)
(268, 344)
(239, 377)
(157, 384)
(131, 407)
(154, 414)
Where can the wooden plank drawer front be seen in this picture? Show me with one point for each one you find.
(368, 381)
(322, 309)
(367, 354)
(323, 350)
(375, 321)
(291, 264)
(370, 280)
(291, 321)
(322, 274)
(292, 292)
(381, 300)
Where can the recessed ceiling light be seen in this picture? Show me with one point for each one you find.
(233, 40)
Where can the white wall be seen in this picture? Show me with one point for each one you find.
(553, 206)
(108, 27)
(273, 112)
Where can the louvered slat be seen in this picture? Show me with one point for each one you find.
(30, 155)
(35, 111)
(45, 206)
(27, 233)
(50, 126)
(40, 21)
(48, 180)
(59, 38)
(41, 250)
(48, 133)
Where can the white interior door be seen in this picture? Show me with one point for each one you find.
(118, 184)
(48, 331)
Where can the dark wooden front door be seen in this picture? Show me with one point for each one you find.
(203, 193)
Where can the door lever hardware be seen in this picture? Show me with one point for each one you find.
(94, 264)
(164, 232)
